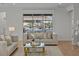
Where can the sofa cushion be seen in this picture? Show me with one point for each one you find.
(8, 39)
(29, 36)
(2, 38)
(39, 35)
(49, 35)
(14, 38)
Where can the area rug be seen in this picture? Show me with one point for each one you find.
(53, 51)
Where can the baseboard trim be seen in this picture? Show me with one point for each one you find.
(64, 40)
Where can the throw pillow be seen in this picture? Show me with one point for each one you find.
(8, 39)
(2, 38)
(14, 38)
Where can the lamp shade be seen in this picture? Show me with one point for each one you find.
(12, 29)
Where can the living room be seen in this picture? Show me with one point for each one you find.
(61, 36)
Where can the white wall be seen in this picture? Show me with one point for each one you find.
(37, 11)
(62, 24)
(2, 22)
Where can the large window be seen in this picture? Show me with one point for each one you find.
(37, 22)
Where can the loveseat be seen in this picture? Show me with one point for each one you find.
(8, 44)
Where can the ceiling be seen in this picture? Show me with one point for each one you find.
(33, 5)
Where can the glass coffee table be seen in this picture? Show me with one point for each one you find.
(29, 45)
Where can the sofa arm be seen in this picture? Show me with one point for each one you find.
(3, 48)
(14, 38)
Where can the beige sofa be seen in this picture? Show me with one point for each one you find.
(46, 37)
(6, 50)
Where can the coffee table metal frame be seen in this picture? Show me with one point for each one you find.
(28, 46)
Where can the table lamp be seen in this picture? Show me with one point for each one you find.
(11, 29)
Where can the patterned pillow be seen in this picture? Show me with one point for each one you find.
(8, 39)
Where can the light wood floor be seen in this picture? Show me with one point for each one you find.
(65, 47)
(68, 49)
